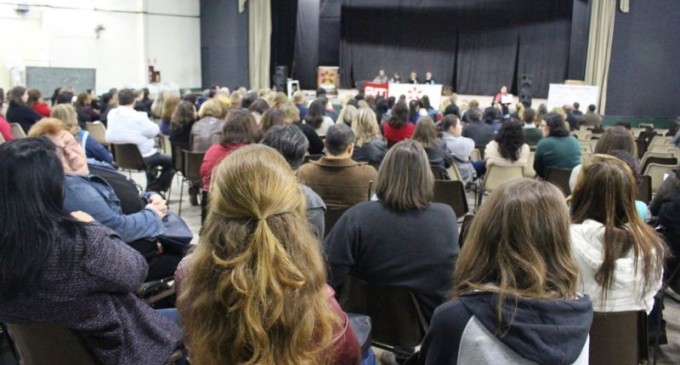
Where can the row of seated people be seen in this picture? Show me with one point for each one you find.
(258, 261)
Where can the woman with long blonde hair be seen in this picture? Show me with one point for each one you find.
(515, 295)
(369, 145)
(620, 257)
(255, 291)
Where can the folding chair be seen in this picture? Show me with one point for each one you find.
(191, 172)
(619, 338)
(528, 170)
(657, 173)
(333, 214)
(560, 178)
(497, 175)
(128, 157)
(17, 131)
(663, 158)
(452, 193)
(98, 131)
(583, 135)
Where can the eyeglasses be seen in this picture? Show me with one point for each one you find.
(69, 144)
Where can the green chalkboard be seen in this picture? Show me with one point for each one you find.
(46, 79)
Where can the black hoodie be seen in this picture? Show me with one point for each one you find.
(551, 332)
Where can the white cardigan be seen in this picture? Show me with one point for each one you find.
(627, 291)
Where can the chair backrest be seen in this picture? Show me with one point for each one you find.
(646, 125)
(333, 213)
(560, 178)
(454, 173)
(660, 140)
(192, 165)
(636, 131)
(618, 338)
(656, 172)
(583, 135)
(664, 158)
(529, 168)
(586, 157)
(97, 131)
(128, 156)
(17, 131)
(496, 175)
(644, 192)
(663, 148)
(396, 317)
(167, 145)
(46, 344)
(476, 155)
(451, 192)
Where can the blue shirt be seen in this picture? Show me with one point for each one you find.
(94, 196)
(93, 149)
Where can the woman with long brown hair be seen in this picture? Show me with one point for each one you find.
(255, 291)
(515, 295)
(620, 257)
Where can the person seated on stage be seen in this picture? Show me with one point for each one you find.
(397, 128)
(429, 80)
(396, 78)
(61, 268)
(498, 100)
(94, 195)
(93, 149)
(480, 132)
(126, 125)
(339, 180)
(413, 78)
(460, 147)
(531, 134)
(382, 78)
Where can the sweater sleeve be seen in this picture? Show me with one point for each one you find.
(442, 342)
(539, 166)
(116, 266)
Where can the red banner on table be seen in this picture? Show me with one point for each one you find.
(376, 89)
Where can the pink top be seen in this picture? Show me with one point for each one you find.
(5, 129)
(213, 156)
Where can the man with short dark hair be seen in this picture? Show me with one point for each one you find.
(126, 125)
(592, 119)
(339, 180)
(292, 144)
(480, 132)
(531, 134)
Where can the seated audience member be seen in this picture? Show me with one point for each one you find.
(403, 239)
(66, 270)
(158, 103)
(435, 147)
(669, 220)
(272, 118)
(35, 102)
(65, 96)
(426, 108)
(94, 195)
(18, 111)
(676, 139)
(169, 106)
(270, 266)
(248, 99)
(381, 78)
(53, 99)
(339, 180)
(330, 110)
(181, 124)
(93, 149)
(292, 115)
(591, 118)
(481, 133)
(571, 118)
(668, 191)
(5, 129)
(292, 145)
(317, 119)
(460, 147)
(258, 107)
(348, 114)
(382, 108)
(515, 295)
(109, 102)
(620, 257)
(452, 108)
(239, 130)
(85, 111)
(532, 135)
(508, 147)
(126, 125)
(208, 130)
(300, 102)
(369, 145)
(557, 148)
(397, 128)
(144, 103)
(413, 111)
(634, 165)
(492, 117)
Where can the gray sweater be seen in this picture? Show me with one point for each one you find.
(96, 300)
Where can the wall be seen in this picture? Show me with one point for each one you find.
(224, 44)
(644, 74)
(61, 33)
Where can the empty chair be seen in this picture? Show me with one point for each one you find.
(452, 192)
(98, 131)
(127, 157)
(398, 323)
(583, 135)
(560, 178)
(663, 158)
(659, 147)
(17, 131)
(191, 172)
(496, 175)
(657, 172)
(619, 338)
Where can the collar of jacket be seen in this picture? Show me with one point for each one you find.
(332, 162)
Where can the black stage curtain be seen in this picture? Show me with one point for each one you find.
(476, 46)
(284, 21)
(307, 43)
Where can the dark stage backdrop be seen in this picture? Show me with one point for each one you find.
(476, 46)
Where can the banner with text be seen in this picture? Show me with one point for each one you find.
(376, 89)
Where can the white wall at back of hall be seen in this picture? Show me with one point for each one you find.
(63, 35)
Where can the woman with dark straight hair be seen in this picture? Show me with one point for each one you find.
(515, 298)
(437, 152)
(402, 239)
(620, 257)
(36, 103)
(397, 128)
(18, 111)
(557, 148)
(64, 269)
(316, 117)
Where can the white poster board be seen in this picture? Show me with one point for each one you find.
(560, 95)
(411, 91)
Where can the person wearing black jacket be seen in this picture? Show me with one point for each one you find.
(18, 111)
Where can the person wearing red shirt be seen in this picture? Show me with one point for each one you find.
(397, 128)
(35, 102)
(5, 130)
(239, 130)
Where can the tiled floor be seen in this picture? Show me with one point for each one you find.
(669, 354)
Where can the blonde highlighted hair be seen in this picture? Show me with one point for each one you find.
(255, 292)
(365, 126)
